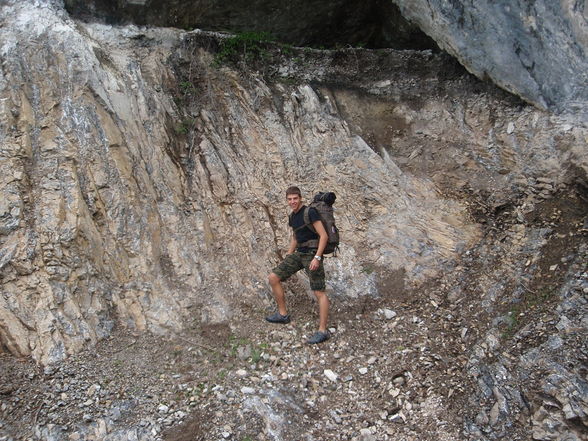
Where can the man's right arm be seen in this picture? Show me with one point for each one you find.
(293, 244)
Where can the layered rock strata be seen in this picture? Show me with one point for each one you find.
(536, 50)
(103, 224)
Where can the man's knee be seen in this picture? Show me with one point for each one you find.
(273, 279)
(320, 294)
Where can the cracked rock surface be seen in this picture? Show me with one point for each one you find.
(141, 209)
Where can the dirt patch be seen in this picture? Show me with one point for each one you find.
(193, 429)
(215, 333)
(391, 285)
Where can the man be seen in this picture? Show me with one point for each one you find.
(306, 251)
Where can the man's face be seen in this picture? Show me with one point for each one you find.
(294, 201)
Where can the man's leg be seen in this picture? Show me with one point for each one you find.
(323, 303)
(283, 271)
(317, 285)
(278, 292)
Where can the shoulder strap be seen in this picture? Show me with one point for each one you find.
(307, 222)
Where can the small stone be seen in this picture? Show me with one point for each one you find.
(244, 352)
(363, 370)
(366, 434)
(332, 376)
(241, 373)
(247, 390)
(394, 392)
(398, 418)
(372, 360)
(115, 414)
(163, 408)
(335, 417)
(92, 390)
(389, 314)
(482, 418)
(399, 381)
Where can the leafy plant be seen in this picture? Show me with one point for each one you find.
(184, 126)
(257, 352)
(247, 45)
(532, 300)
(187, 88)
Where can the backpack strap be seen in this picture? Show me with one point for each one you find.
(313, 243)
(306, 218)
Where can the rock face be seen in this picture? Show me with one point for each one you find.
(536, 50)
(121, 205)
(120, 200)
(141, 191)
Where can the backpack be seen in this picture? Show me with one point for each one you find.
(323, 203)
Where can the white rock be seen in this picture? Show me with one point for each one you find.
(394, 392)
(384, 83)
(330, 375)
(247, 390)
(363, 370)
(389, 314)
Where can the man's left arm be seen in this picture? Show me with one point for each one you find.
(323, 239)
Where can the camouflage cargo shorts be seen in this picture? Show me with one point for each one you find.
(297, 261)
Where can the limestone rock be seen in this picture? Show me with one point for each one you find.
(113, 215)
(537, 51)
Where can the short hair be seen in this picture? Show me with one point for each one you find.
(293, 190)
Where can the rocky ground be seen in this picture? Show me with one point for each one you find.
(444, 362)
(378, 374)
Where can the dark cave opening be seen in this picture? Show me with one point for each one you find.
(328, 24)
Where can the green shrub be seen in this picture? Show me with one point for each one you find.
(244, 45)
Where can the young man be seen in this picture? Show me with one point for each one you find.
(306, 251)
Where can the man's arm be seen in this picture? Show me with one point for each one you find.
(293, 244)
(323, 239)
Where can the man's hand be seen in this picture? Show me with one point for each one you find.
(314, 264)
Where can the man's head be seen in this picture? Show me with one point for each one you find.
(294, 198)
